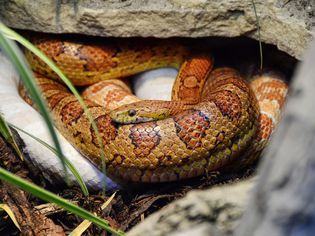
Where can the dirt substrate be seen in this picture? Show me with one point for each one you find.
(129, 207)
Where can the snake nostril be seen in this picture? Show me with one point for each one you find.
(132, 112)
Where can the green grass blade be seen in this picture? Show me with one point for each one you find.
(13, 35)
(8, 136)
(259, 37)
(16, 58)
(53, 198)
(81, 228)
(68, 163)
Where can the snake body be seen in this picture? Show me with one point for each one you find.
(215, 116)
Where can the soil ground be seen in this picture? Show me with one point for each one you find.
(129, 207)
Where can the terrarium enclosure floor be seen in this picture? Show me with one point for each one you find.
(132, 205)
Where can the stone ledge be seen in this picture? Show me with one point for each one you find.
(216, 210)
(200, 18)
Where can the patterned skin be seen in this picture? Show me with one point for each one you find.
(213, 118)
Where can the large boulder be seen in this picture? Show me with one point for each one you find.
(214, 211)
(283, 23)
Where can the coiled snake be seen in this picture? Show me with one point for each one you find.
(215, 117)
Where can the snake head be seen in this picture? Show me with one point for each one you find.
(139, 112)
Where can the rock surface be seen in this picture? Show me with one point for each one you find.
(209, 212)
(283, 23)
(283, 200)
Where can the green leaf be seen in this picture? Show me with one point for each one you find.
(8, 136)
(53, 198)
(79, 230)
(18, 61)
(259, 36)
(68, 163)
(13, 35)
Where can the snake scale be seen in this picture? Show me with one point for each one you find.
(215, 117)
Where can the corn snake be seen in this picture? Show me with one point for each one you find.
(214, 118)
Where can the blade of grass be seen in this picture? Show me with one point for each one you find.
(13, 35)
(16, 58)
(53, 198)
(68, 163)
(8, 136)
(10, 213)
(79, 230)
(259, 36)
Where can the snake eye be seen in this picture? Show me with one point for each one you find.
(132, 112)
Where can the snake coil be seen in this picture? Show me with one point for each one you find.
(215, 117)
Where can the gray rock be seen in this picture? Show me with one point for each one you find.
(209, 212)
(281, 24)
(283, 200)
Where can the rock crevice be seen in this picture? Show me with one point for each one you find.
(282, 23)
